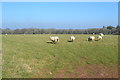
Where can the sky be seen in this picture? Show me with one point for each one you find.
(60, 0)
(59, 15)
(0, 15)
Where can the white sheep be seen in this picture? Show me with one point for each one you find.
(72, 38)
(99, 37)
(93, 33)
(91, 38)
(54, 39)
(101, 34)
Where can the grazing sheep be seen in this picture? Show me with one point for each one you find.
(91, 38)
(54, 39)
(72, 38)
(101, 34)
(99, 38)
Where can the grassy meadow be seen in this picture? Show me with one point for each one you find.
(0, 56)
(30, 56)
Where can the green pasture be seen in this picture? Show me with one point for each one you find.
(32, 56)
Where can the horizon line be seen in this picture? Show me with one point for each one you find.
(58, 29)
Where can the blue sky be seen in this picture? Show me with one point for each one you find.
(0, 15)
(59, 15)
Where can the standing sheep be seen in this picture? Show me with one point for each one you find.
(99, 37)
(93, 33)
(91, 38)
(72, 38)
(101, 34)
(54, 39)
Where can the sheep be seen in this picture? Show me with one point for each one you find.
(101, 34)
(54, 39)
(91, 38)
(93, 33)
(99, 38)
(72, 38)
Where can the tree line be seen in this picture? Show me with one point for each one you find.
(105, 30)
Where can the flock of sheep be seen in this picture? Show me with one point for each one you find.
(55, 39)
(92, 38)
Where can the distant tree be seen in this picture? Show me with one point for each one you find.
(104, 27)
(118, 29)
(107, 30)
(118, 26)
(110, 27)
(0, 31)
(7, 31)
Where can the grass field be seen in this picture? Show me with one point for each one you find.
(0, 56)
(30, 56)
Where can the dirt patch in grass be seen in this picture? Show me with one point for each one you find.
(60, 74)
(89, 71)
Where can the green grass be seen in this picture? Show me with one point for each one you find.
(31, 56)
(0, 56)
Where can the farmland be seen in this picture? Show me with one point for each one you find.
(30, 56)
